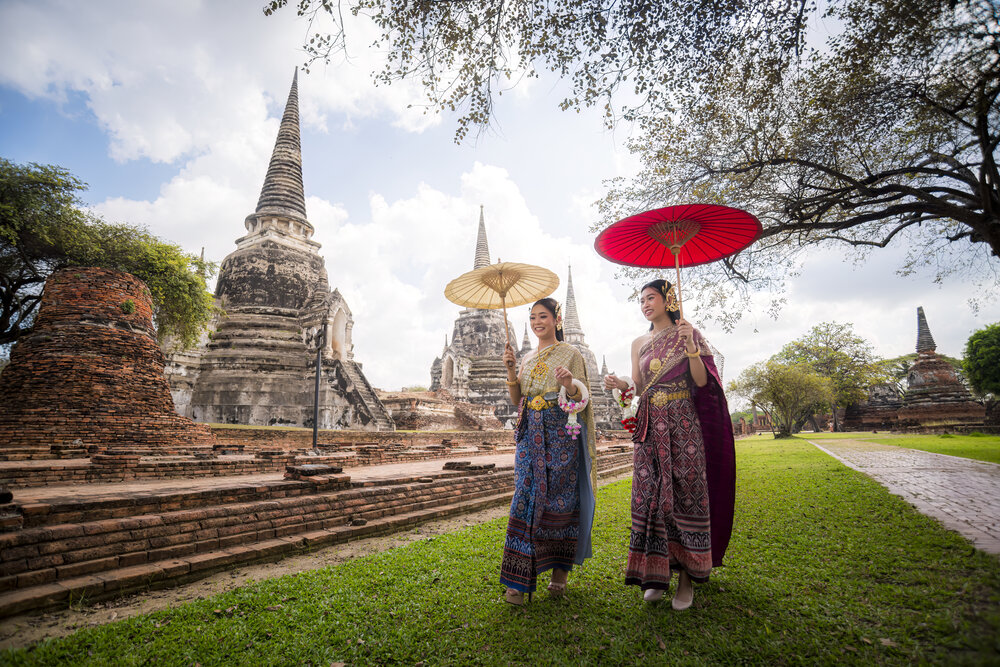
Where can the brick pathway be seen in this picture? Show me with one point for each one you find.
(964, 495)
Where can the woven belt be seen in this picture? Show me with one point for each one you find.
(539, 403)
(661, 398)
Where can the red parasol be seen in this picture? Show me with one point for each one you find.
(685, 235)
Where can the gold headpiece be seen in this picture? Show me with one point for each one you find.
(558, 317)
(670, 297)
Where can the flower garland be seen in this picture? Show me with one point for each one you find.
(624, 399)
(573, 427)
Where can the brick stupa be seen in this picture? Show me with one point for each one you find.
(90, 373)
(935, 396)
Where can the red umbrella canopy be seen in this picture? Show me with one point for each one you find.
(698, 233)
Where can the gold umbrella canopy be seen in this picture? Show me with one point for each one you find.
(500, 285)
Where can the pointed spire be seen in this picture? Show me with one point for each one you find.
(283, 193)
(571, 321)
(525, 342)
(482, 248)
(604, 366)
(925, 341)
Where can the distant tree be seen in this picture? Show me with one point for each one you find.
(740, 414)
(43, 227)
(787, 393)
(982, 360)
(834, 351)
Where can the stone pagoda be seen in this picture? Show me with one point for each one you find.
(258, 366)
(604, 407)
(471, 367)
(935, 396)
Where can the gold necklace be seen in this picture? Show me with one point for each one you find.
(541, 369)
(657, 363)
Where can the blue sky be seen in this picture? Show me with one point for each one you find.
(169, 111)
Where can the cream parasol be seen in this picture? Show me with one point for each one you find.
(500, 285)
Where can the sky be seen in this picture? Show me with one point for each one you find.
(169, 111)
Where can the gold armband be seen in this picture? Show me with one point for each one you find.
(692, 355)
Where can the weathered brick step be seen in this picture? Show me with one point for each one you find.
(48, 554)
(209, 556)
(173, 571)
(132, 505)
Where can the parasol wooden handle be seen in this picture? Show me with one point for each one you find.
(506, 333)
(677, 267)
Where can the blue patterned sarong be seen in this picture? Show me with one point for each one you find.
(551, 476)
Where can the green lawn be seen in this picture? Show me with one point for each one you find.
(979, 447)
(825, 567)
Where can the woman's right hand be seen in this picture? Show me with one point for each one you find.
(508, 357)
(612, 382)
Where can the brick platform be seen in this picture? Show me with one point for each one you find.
(96, 541)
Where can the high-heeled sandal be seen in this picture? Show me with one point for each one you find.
(515, 597)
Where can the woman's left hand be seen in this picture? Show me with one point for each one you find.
(686, 332)
(563, 376)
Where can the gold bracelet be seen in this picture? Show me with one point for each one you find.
(692, 355)
(512, 383)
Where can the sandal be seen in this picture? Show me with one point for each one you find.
(515, 597)
(557, 590)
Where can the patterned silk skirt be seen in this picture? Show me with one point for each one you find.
(670, 517)
(544, 521)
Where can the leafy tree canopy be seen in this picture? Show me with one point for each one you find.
(788, 392)
(834, 351)
(883, 133)
(43, 228)
(982, 360)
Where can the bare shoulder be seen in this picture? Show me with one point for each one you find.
(640, 341)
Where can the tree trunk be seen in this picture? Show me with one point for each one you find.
(837, 428)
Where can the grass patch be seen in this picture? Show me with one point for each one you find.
(825, 567)
(979, 447)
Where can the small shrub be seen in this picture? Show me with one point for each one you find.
(977, 434)
(946, 435)
(128, 306)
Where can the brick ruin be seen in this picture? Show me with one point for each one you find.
(935, 396)
(90, 373)
(437, 411)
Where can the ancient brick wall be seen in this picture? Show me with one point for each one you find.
(91, 370)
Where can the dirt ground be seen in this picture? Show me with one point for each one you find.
(27, 629)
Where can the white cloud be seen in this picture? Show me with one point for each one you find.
(169, 80)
